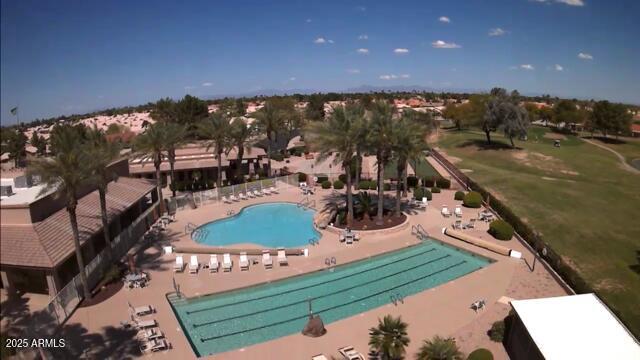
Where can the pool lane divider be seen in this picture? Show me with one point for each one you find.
(323, 295)
(313, 285)
(205, 339)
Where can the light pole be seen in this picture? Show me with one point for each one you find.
(535, 257)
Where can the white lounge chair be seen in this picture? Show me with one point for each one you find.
(179, 265)
(458, 211)
(154, 345)
(349, 353)
(193, 264)
(457, 225)
(257, 193)
(143, 310)
(213, 263)
(227, 263)
(266, 191)
(266, 259)
(445, 211)
(282, 257)
(470, 225)
(242, 197)
(150, 334)
(226, 200)
(425, 201)
(143, 324)
(234, 198)
(274, 190)
(250, 194)
(244, 261)
(303, 185)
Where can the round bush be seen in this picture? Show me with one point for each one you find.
(338, 185)
(443, 183)
(386, 187)
(302, 177)
(435, 190)
(326, 184)
(373, 185)
(343, 178)
(472, 199)
(497, 331)
(480, 354)
(421, 192)
(459, 195)
(412, 181)
(322, 178)
(429, 181)
(363, 185)
(277, 157)
(501, 230)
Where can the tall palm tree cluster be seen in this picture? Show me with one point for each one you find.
(81, 159)
(352, 131)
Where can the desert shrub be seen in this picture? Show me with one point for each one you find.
(373, 185)
(386, 187)
(496, 333)
(341, 218)
(421, 192)
(443, 183)
(480, 354)
(412, 181)
(459, 195)
(326, 184)
(277, 157)
(338, 185)
(472, 199)
(435, 190)
(364, 185)
(343, 178)
(302, 177)
(322, 178)
(501, 230)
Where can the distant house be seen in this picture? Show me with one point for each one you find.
(635, 130)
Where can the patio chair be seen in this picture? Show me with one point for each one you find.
(250, 194)
(266, 259)
(274, 190)
(242, 197)
(226, 200)
(193, 264)
(445, 211)
(143, 310)
(244, 261)
(457, 225)
(458, 211)
(470, 225)
(150, 334)
(257, 193)
(349, 353)
(213, 263)
(266, 191)
(303, 185)
(154, 345)
(234, 198)
(227, 263)
(282, 257)
(143, 324)
(179, 265)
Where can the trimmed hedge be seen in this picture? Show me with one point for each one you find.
(412, 181)
(421, 192)
(338, 185)
(277, 157)
(501, 230)
(472, 199)
(373, 185)
(364, 185)
(496, 333)
(343, 178)
(435, 190)
(443, 183)
(480, 354)
(386, 186)
(326, 184)
(322, 178)
(302, 177)
(459, 195)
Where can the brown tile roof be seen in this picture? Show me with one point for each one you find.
(50, 242)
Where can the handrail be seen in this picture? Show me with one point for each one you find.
(419, 231)
(190, 227)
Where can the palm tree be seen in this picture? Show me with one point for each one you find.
(175, 136)
(14, 142)
(364, 204)
(380, 139)
(390, 338)
(361, 133)
(241, 137)
(102, 153)
(336, 136)
(66, 173)
(152, 145)
(215, 129)
(269, 120)
(439, 348)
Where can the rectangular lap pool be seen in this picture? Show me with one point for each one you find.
(235, 319)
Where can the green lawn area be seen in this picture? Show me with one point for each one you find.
(577, 196)
(423, 169)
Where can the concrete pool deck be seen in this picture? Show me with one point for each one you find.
(443, 310)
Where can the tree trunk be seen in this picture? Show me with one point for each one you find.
(71, 209)
(405, 182)
(219, 180)
(512, 144)
(159, 185)
(358, 159)
(379, 220)
(172, 164)
(488, 133)
(347, 168)
(398, 191)
(239, 161)
(268, 155)
(105, 221)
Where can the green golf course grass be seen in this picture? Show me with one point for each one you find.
(586, 206)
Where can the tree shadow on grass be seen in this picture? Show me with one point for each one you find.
(608, 140)
(484, 145)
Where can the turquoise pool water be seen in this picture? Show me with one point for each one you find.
(270, 225)
(235, 319)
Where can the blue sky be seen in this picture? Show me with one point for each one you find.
(63, 57)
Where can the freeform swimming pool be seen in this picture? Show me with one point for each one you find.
(270, 225)
(221, 322)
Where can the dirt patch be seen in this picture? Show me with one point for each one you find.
(543, 162)
(549, 178)
(609, 285)
(568, 172)
(466, 171)
(389, 221)
(554, 136)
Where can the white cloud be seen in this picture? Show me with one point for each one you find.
(558, 67)
(405, 76)
(206, 84)
(189, 87)
(361, 8)
(527, 67)
(330, 41)
(307, 21)
(394, 76)
(566, 2)
(439, 44)
(353, 71)
(585, 56)
(401, 51)
(293, 78)
(363, 51)
(363, 37)
(497, 32)
(444, 19)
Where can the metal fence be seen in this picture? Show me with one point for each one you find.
(68, 298)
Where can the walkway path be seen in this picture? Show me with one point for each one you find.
(622, 159)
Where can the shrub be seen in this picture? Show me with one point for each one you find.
(363, 185)
(386, 187)
(322, 178)
(501, 230)
(338, 185)
(340, 219)
(480, 354)
(443, 183)
(429, 181)
(421, 192)
(373, 185)
(472, 199)
(435, 190)
(459, 195)
(277, 157)
(412, 181)
(497, 331)
(302, 177)
(343, 178)
(326, 184)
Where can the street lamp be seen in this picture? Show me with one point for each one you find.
(535, 257)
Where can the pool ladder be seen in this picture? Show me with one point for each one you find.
(231, 212)
(314, 242)
(199, 234)
(190, 227)
(395, 298)
(330, 261)
(419, 231)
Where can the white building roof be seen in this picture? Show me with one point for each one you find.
(576, 327)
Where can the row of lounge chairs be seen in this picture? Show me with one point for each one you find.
(446, 213)
(250, 194)
(149, 335)
(227, 262)
(459, 225)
